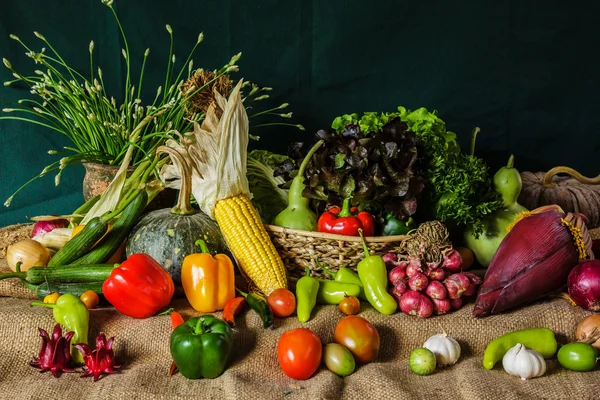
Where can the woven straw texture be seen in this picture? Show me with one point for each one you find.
(298, 249)
(143, 346)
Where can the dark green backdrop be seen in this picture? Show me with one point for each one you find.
(526, 72)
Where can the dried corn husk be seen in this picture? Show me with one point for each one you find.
(533, 260)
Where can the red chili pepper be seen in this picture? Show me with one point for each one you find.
(232, 308)
(139, 287)
(347, 221)
(176, 319)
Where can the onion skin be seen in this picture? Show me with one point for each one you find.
(418, 282)
(398, 290)
(42, 227)
(534, 259)
(441, 306)
(452, 261)
(396, 275)
(415, 303)
(436, 274)
(436, 290)
(29, 252)
(588, 329)
(584, 285)
(457, 284)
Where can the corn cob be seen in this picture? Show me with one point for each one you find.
(250, 243)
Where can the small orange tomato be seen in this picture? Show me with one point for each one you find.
(90, 299)
(349, 305)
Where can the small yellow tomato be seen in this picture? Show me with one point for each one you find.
(51, 298)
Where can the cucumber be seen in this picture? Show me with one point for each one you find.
(76, 289)
(117, 235)
(69, 274)
(80, 244)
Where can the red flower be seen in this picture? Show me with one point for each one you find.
(99, 361)
(55, 354)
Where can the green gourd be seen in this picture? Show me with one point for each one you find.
(298, 215)
(508, 184)
(169, 235)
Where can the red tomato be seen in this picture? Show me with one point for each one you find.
(359, 336)
(282, 302)
(299, 353)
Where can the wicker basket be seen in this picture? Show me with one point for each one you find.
(298, 249)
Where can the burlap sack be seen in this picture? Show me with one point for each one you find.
(143, 347)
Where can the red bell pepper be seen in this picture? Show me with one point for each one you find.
(347, 221)
(139, 287)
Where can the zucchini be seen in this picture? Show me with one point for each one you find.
(80, 244)
(76, 289)
(117, 235)
(68, 274)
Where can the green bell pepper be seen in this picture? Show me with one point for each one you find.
(392, 226)
(345, 275)
(73, 315)
(306, 296)
(373, 274)
(202, 347)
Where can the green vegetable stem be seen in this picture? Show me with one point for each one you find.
(307, 288)
(298, 215)
(73, 315)
(345, 275)
(373, 274)
(541, 340)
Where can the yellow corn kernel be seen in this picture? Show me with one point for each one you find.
(250, 243)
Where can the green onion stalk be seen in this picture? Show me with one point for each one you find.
(98, 128)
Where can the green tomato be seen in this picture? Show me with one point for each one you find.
(578, 357)
(338, 359)
(422, 361)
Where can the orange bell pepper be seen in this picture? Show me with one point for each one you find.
(208, 282)
(117, 257)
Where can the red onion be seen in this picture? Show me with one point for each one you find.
(390, 259)
(441, 306)
(436, 290)
(437, 274)
(452, 261)
(432, 265)
(398, 290)
(456, 284)
(396, 275)
(418, 282)
(415, 303)
(42, 227)
(584, 285)
(456, 303)
(414, 266)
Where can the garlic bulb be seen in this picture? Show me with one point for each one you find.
(445, 348)
(524, 362)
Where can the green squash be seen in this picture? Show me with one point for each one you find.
(169, 235)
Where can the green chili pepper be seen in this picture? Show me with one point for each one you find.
(332, 292)
(307, 288)
(345, 275)
(373, 274)
(73, 315)
(541, 340)
(260, 306)
(393, 226)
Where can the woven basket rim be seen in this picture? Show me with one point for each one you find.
(331, 236)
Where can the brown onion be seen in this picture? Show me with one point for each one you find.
(588, 330)
(29, 252)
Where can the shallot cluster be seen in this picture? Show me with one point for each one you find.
(425, 288)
